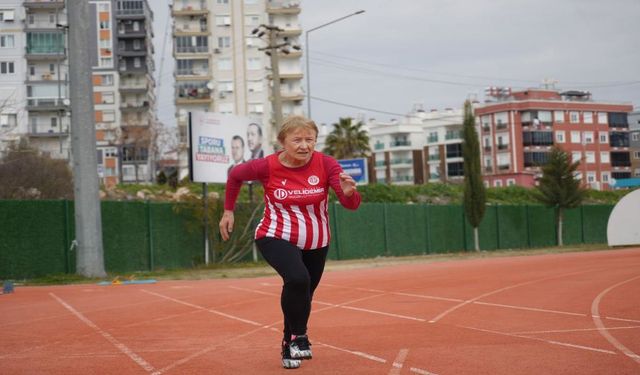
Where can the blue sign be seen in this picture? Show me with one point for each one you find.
(356, 168)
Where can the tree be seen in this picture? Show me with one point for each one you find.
(27, 175)
(475, 197)
(347, 140)
(558, 186)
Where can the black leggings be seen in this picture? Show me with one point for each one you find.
(301, 271)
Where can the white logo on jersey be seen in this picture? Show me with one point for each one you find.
(280, 194)
(284, 182)
(313, 180)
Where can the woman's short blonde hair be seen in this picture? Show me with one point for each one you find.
(293, 123)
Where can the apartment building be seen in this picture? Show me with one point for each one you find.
(422, 147)
(46, 78)
(517, 130)
(634, 143)
(12, 74)
(219, 66)
(34, 69)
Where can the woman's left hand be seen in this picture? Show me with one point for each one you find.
(347, 184)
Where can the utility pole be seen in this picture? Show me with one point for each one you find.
(272, 49)
(89, 258)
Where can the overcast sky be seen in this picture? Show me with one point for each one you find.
(438, 52)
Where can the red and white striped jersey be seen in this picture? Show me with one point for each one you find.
(296, 199)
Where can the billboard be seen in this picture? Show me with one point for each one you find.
(218, 142)
(356, 168)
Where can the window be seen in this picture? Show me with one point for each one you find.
(225, 108)
(8, 120)
(560, 137)
(224, 64)
(54, 122)
(7, 41)
(574, 117)
(602, 117)
(137, 62)
(108, 116)
(106, 79)
(636, 155)
(604, 137)
(558, 116)
(604, 157)
(6, 15)
(52, 68)
(254, 86)
(104, 25)
(249, 2)
(591, 177)
(136, 44)
(497, 183)
(590, 157)
(252, 20)
(225, 86)
(575, 137)
(605, 177)
(635, 136)
(103, 7)
(224, 42)
(108, 62)
(136, 26)
(52, 18)
(588, 137)
(254, 63)
(636, 172)
(107, 97)
(576, 156)
(588, 117)
(32, 70)
(511, 182)
(256, 108)
(7, 67)
(222, 1)
(223, 21)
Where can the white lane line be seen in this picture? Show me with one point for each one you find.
(120, 346)
(354, 288)
(543, 340)
(429, 297)
(452, 309)
(421, 371)
(572, 330)
(623, 320)
(529, 308)
(595, 312)
(204, 308)
(396, 367)
(342, 306)
(357, 353)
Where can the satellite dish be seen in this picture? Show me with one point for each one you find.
(66, 101)
(210, 85)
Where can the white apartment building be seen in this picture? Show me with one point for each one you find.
(33, 76)
(12, 73)
(422, 147)
(220, 68)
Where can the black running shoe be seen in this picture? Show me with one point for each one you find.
(300, 347)
(287, 361)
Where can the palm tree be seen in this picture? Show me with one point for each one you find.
(558, 186)
(347, 140)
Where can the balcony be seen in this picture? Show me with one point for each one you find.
(192, 49)
(453, 135)
(503, 147)
(537, 138)
(501, 126)
(44, 4)
(620, 163)
(46, 104)
(134, 88)
(402, 179)
(131, 52)
(504, 167)
(488, 169)
(283, 7)
(379, 146)
(288, 75)
(487, 148)
(135, 106)
(380, 163)
(292, 96)
(291, 55)
(190, 10)
(132, 14)
(291, 31)
(432, 139)
(486, 128)
(398, 162)
(48, 133)
(399, 144)
(434, 157)
(48, 53)
(434, 176)
(45, 78)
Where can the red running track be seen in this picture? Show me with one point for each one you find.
(573, 313)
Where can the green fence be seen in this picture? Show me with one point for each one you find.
(36, 237)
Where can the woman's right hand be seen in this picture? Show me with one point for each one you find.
(226, 224)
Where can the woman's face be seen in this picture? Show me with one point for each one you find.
(298, 145)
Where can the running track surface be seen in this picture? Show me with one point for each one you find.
(572, 313)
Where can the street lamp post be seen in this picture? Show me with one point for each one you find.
(306, 53)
